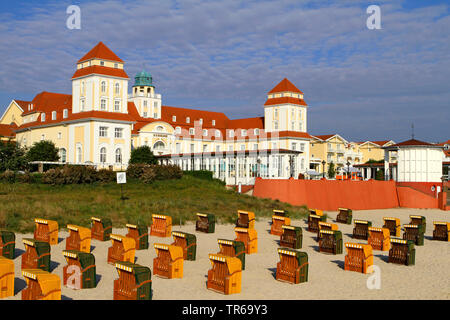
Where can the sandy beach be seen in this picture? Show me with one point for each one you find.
(429, 278)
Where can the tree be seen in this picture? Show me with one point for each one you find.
(143, 155)
(379, 175)
(43, 151)
(331, 171)
(12, 157)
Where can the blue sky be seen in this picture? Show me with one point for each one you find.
(225, 55)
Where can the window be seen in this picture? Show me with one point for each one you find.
(118, 155)
(65, 113)
(178, 147)
(160, 128)
(205, 148)
(118, 132)
(300, 126)
(256, 131)
(62, 155)
(103, 86)
(117, 105)
(102, 63)
(275, 125)
(294, 146)
(201, 121)
(292, 125)
(103, 155)
(302, 147)
(53, 115)
(230, 148)
(145, 103)
(43, 137)
(116, 65)
(178, 130)
(217, 133)
(217, 148)
(231, 133)
(191, 131)
(274, 145)
(214, 122)
(103, 104)
(117, 88)
(243, 132)
(82, 105)
(155, 104)
(255, 146)
(79, 154)
(145, 114)
(188, 120)
(59, 135)
(82, 87)
(205, 132)
(302, 164)
(329, 146)
(242, 147)
(103, 132)
(155, 115)
(174, 118)
(276, 113)
(159, 145)
(192, 148)
(42, 117)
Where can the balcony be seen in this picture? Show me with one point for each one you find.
(144, 95)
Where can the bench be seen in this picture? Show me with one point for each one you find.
(379, 238)
(246, 219)
(85, 263)
(134, 283)
(291, 237)
(361, 229)
(188, 242)
(206, 222)
(441, 231)
(79, 238)
(6, 277)
(101, 228)
(393, 225)
(41, 285)
(330, 241)
(122, 249)
(277, 223)
(344, 216)
(161, 226)
(36, 255)
(46, 230)
(293, 266)
(169, 261)
(402, 252)
(7, 244)
(313, 222)
(140, 235)
(225, 275)
(232, 248)
(359, 257)
(249, 237)
(415, 233)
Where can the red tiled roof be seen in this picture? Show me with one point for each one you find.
(49, 101)
(120, 73)
(291, 100)
(285, 85)
(194, 115)
(444, 143)
(247, 123)
(23, 104)
(412, 142)
(381, 143)
(100, 51)
(324, 137)
(7, 130)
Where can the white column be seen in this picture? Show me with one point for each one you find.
(386, 165)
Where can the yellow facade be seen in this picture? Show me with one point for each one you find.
(13, 114)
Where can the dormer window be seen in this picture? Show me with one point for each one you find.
(217, 133)
(42, 117)
(53, 115)
(243, 132)
(231, 133)
(116, 65)
(102, 63)
(191, 131)
(205, 132)
(201, 121)
(65, 113)
(214, 122)
(256, 132)
(178, 130)
(174, 118)
(188, 120)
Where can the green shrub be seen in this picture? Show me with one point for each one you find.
(148, 174)
(136, 170)
(105, 175)
(53, 176)
(167, 172)
(201, 174)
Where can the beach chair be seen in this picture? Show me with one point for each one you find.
(402, 252)
(232, 248)
(393, 225)
(83, 275)
(122, 249)
(134, 283)
(246, 219)
(313, 222)
(414, 232)
(317, 212)
(46, 230)
(36, 255)
(291, 237)
(140, 235)
(7, 244)
(441, 231)
(330, 241)
(206, 222)
(249, 237)
(419, 220)
(41, 285)
(188, 242)
(326, 226)
(169, 261)
(344, 216)
(293, 266)
(359, 257)
(6, 277)
(277, 223)
(79, 238)
(101, 228)
(161, 226)
(225, 275)
(280, 213)
(361, 229)
(379, 238)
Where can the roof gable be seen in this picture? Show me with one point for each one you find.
(100, 51)
(285, 85)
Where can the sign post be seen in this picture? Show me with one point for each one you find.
(121, 179)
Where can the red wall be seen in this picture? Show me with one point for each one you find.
(424, 187)
(330, 194)
(410, 198)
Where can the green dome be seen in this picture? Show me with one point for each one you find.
(143, 78)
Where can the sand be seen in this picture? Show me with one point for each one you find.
(429, 278)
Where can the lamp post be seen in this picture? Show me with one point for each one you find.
(323, 164)
(348, 168)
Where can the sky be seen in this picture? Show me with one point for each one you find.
(226, 55)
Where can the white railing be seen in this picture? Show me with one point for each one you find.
(145, 95)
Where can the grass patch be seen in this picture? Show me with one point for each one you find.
(180, 199)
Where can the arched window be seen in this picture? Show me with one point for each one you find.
(159, 145)
(79, 154)
(117, 88)
(159, 128)
(103, 86)
(118, 155)
(103, 155)
(62, 155)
